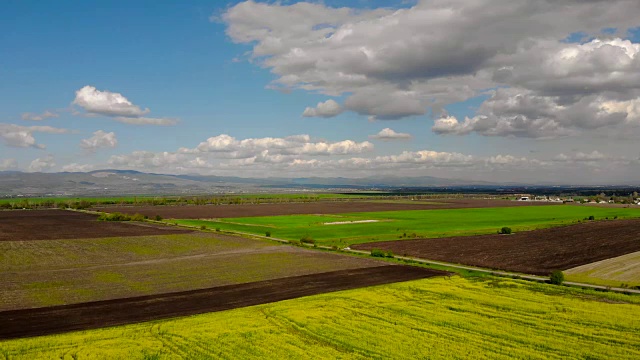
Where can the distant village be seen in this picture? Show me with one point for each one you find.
(602, 198)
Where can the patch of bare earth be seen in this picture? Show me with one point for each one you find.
(24, 225)
(534, 252)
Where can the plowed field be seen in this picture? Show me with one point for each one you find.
(534, 252)
(18, 225)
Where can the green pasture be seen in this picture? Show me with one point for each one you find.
(444, 318)
(397, 225)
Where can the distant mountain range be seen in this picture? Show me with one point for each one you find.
(122, 182)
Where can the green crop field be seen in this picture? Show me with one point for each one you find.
(432, 318)
(55, 272)
(621, 271)
(394, 225)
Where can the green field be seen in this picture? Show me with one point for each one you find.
(433, 318)
(394, 225)
(55, 272)
(621, 271)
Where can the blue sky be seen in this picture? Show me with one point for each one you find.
(210, 69)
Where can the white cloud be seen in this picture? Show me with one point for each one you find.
(581, 157)
(42, 164)
(100, 139)
(107, 103)
(8, 164)
(38, 117)
(22, 136)
(326, 109)
(392, 64)
(96, 102)
(387, 134)
(231, 147)
(75, 167)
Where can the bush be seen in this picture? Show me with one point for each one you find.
(203, 227)
(116, 216)
(137, 217)
(505, 230)
(592, 217)
(267, 234)
(381, 253)
(307, 239)
(556, 277)
(158, 218)
(218, 229)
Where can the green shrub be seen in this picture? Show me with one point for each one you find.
(116, 216)
(307, 239)
(137, 217)
(203, 227)
(158, 218)
(381, 253)
(505, 230)
(218, 229)
(592, 217)
(267, 234)
(556, 277)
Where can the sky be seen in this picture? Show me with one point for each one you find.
(487, 90)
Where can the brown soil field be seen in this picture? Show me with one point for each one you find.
(320, 207)
(18, 225)
(533, 252)
(58, 319)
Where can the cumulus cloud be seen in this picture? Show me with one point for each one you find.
(388, 134)
(42, 164)
(100, 139)
(8, 164)
(107, 103)
(392, 64)
(22, 136)
(115, 105)
(580, 157)
(523, 113)
(326, 109)
(75, 167)
(38, 117)
(231, 147)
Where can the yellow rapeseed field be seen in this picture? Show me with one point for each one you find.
(453, 317)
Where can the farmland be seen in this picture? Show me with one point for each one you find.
(618, 271)
(439, 318)
(400, 225)
(318, 207)
(533, 252)
(24, 225)
(89, 315)
(56, 272)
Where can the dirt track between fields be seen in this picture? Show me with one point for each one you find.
(319, 207)
(532, 252)
(19, 225)
(58, 319)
